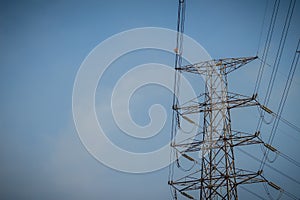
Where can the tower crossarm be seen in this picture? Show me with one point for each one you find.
(224, 65)
(248, 177)
(236, 139)
(233, 101)
(189, 182)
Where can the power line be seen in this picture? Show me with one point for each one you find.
(290, 195)
(280, 50)
(289, 123)
(262, 27)
(178, 60)
(283, 99)
(253, 193)
(278, 56)
(267, 45)
(288, 158)
(270, 66)
(218, 177)
(269, 166)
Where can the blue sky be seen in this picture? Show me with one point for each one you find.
(42, 45)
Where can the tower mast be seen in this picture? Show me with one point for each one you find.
(214, 175)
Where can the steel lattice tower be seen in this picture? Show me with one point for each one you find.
(217, 177)
(212, 148)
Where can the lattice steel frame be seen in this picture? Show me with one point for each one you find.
(217, 177)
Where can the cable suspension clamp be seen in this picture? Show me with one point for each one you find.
(274, 185)
(266, 109)
(270, 147)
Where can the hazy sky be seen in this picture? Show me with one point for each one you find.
(42, 45)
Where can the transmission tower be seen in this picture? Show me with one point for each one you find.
(211, 148)
(217, 177)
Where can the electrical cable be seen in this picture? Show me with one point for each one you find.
(276, 170)
(283, 99)
(267, 190)
(262, 27)
(269, 166)
(280, 50)
(267, 45)
(290, 195)
(246, 189)
(287, 122)
(178, 61)
(260, 112)
(278, 56)
(288, 158)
